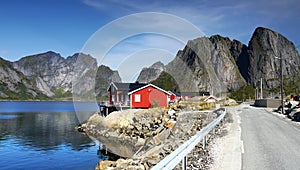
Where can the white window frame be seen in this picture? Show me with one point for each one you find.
(137, 98)
(113, 98)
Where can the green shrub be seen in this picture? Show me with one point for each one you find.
(244, 93)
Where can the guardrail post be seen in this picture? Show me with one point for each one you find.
(184, 162)
(204, 142)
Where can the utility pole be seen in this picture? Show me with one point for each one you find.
(261, 93)
(255, 93)
(281, 82)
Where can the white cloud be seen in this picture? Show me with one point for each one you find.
(94, 3)
(198, 12)
(131, 65)
(141, 43)
(164, 25)
(207, 14)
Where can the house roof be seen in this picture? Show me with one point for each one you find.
(191, 93)
(126, 86)
(211, 97)
(148, 86)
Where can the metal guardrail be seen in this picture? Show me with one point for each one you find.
(180, 154)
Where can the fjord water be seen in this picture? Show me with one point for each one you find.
(42, 135)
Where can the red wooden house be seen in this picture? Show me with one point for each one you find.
(149, 96)
(118, 92)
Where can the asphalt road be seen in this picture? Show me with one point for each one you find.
(268, 141)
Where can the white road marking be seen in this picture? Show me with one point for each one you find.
(242, 147)
(239, 121)
(296, 129)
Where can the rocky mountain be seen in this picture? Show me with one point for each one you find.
(218, 64)
(15, 85)
(265, 49)
(50, 75)
(208, 64)
(215, 64)
(149, 74)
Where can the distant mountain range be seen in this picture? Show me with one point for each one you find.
(216, 64)
(48, 76)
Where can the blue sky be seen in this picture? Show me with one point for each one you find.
(64, 26)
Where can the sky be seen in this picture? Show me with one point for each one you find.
(69, 26)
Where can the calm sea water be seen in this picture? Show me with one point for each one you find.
(42, 135)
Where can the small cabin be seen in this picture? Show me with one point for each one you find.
(211, 99)
(189, 95)
(149, 96)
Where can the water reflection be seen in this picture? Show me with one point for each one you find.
(43, 131)
(8, 116)
(27, 139)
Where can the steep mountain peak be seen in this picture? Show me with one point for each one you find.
(268, 39)
(48, 54)
(265, 47)
(81, 59)
(149, 74)
(216, 38)
(42, 57)
(51, 53)
(158, 65)
(80, 54)
(262, 30)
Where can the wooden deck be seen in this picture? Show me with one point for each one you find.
(107, 109)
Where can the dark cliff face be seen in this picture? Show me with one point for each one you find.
(241, 57)
(266, 47)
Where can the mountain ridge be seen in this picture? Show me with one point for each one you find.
(216, 64)
(219, 64)
(51, 75)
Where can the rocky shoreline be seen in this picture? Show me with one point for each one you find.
(144, 137)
